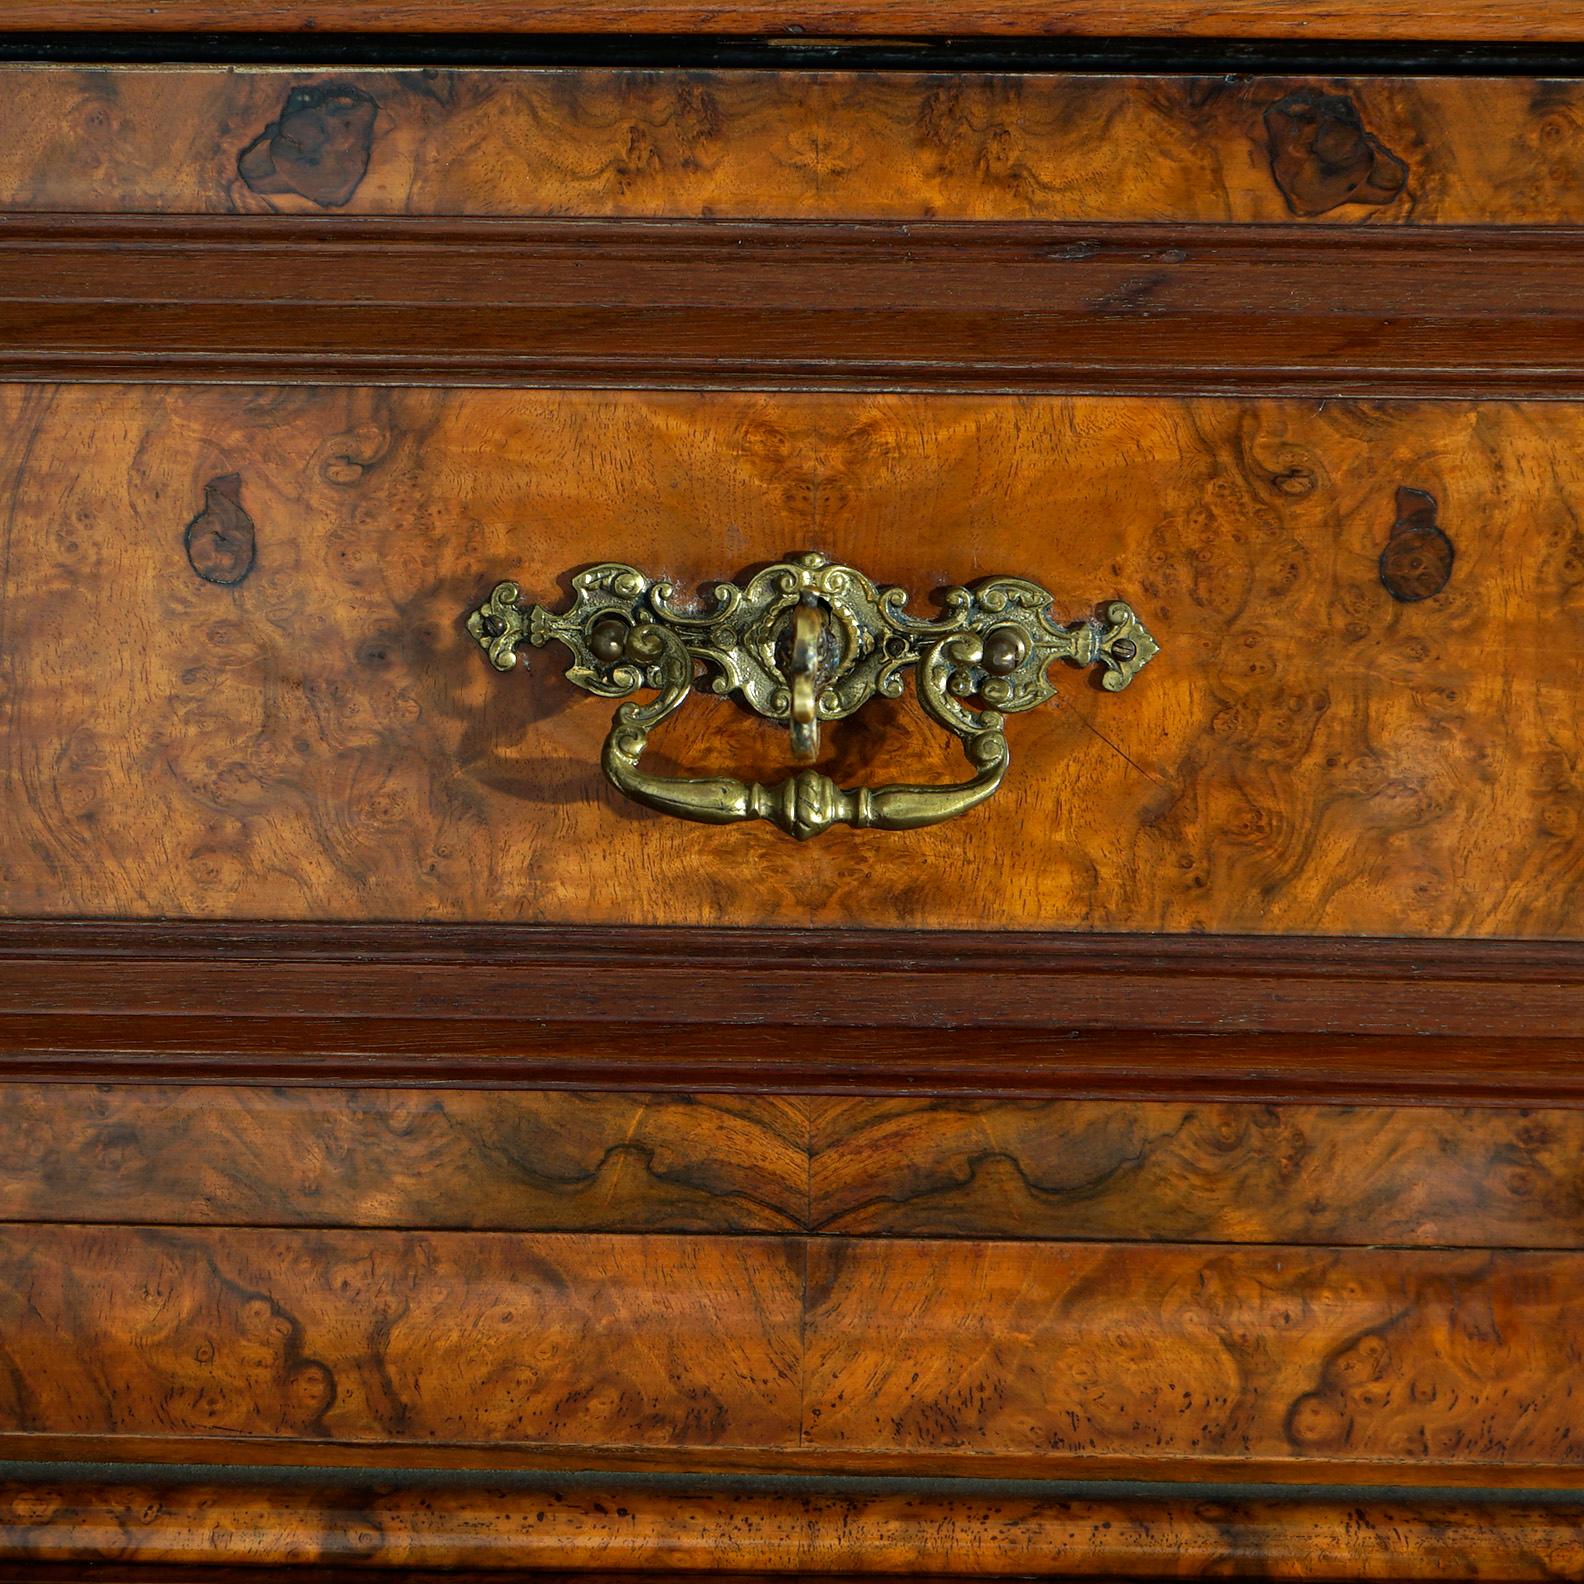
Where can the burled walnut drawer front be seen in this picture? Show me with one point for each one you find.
(414, 1276)
(1337, 735)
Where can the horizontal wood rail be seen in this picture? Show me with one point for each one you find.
(163, 1528)
(794, 1010)
(1371, 311)
(1344, 19)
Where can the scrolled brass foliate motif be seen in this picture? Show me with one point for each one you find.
(804, 642)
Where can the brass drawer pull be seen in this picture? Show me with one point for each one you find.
(807, 641)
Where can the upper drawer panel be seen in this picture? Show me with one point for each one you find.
(818, 145)
(1363, 718)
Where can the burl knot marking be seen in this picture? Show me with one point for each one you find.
(221, 544)
(1322, 158)
(318, 149)
(1417, 560)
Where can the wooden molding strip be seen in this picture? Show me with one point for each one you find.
(166, 1528)
(597, 1007)
(1274, 310)
(527, 1053)
(909, 953)
(1335, 19)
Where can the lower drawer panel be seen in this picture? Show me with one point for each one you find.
(1388, 1365)
(1367, 1357)
(565, 1161)
(408, 1338)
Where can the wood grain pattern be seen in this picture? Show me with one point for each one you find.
(1373, 311)
(805, 145)
(417, 1338)
(1228, 1173)
(324, 741)
(1372, 1358)
(1328, 19)
(371, 1531)
(1356, 1365)
(545, 1161)
(234, 687)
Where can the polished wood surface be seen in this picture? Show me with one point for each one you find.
(603, 1528)
(1319, 19)
(538, 1006)
(1416, 1176)
(1063, 1358)
(322, 740)
(416, 1338)
(1256, 148)
(1340, 310)
(1221, 1173)
(1370, 1358)
(494, 1176)
(543, 976)
(1367, 1365)
(404, 1157)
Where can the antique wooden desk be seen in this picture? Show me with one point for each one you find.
(1072, 1068)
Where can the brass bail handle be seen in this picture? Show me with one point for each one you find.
(803, 642)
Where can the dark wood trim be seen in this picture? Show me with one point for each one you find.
(957, 52)
(1315, 19)
(1370, 311)
(29, 1456)
(801, 952)
(528, 1053)
(797, 1010)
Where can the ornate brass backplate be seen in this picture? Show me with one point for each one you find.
(807, 641)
